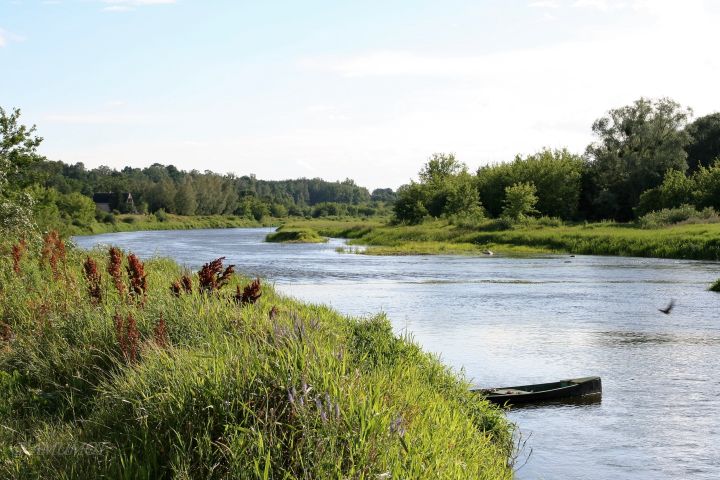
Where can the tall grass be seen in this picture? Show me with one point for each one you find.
(295, 235)
(200, 385)
(685, 241)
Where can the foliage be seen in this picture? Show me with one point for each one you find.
(445, 189)
(556, 174)
(715, 287)
(295, 235)
(682, 214)
(160, 215)
(684, 241)
(18, 151)
(704, 148)
(199, 386)
(520, 201)
(410, 204)
(636, 145)
(701, 188)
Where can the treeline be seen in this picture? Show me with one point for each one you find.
(647, 156)
(161, 187)
(53, 193)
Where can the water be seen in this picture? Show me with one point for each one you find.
(510, 321)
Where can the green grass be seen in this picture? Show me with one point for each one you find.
(295, 235)
(131, 223)
(237, 392)
(687, 241)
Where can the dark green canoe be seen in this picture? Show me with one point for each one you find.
(543, 392)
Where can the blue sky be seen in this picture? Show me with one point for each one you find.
(362, 89)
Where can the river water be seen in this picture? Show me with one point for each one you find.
(513, 321)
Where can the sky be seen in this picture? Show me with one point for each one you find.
(342, 89)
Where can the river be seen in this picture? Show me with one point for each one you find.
(513, 321)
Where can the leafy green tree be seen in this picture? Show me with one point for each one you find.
(704, 148)
(460, 194)
(707, 180)
(520, 201)
(439, 167)
(383, 195)
(636, 145)
(185, 203)
(18, 151)
(410, 204)
(77, 208)
(556, 174)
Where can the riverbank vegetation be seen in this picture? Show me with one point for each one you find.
(685, 241)
(647, 157)
(115, 368)
(295, 235)
(715, 287)
(649, 165)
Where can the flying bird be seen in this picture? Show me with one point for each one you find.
(669, 308)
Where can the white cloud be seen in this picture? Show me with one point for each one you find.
(7, 37)
(544, 4)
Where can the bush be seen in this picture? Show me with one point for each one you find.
(295, 235)
(682, 214)
(715, 287)
(129, 220)
(161, 215)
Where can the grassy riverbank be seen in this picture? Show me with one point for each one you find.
(132, 223)
(166, 383)
(687, 241)
(295, 235)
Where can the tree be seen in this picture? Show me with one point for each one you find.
(18, 150)
(185, 203)
(556, 174)
(520, 200)
(637, 145)
(439, 167)
(410, 204)
(383, 195)
(677, 189)
(704, 148)
(708, 186)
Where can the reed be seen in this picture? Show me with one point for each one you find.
(94, 281)
(53, 252)
(18, 251)
(115, 269)
(212, 277)
(250, 294)
(137, 279)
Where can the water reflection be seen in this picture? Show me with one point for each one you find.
(516, 321)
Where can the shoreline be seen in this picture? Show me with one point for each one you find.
(682, 242)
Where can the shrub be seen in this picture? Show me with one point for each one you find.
(682, 214)
(161, 215)
(715, 287)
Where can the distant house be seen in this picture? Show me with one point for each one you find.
(109, 201)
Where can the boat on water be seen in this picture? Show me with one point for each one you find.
(543, 392)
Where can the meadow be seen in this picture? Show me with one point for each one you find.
(111, 367)
(693, 241)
